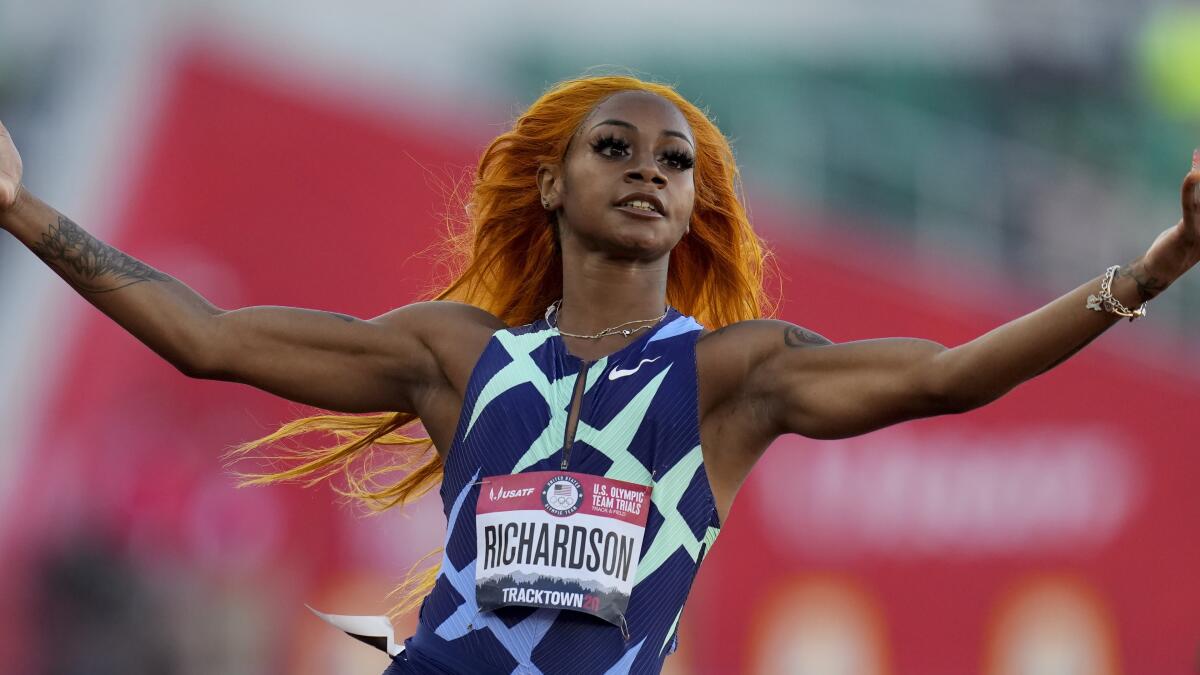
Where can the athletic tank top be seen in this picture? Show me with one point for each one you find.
(638, 422)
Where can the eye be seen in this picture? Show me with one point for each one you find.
(678, 160)
(610, 146)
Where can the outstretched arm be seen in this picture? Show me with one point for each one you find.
(803, 384)
(319, 358)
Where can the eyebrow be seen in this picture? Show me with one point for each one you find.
(623, 123)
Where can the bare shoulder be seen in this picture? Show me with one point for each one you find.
(434, 316)
(750, 341)
(454, 333)
(728, 356)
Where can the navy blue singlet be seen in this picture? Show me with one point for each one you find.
(638, 422)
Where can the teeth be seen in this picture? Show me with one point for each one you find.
(639, 204)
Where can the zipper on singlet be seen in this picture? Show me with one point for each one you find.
(573, 416)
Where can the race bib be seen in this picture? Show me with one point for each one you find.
(559, 540)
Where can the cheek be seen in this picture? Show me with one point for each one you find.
(580, 184)
(688, 201)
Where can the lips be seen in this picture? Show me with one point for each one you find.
(641, 203)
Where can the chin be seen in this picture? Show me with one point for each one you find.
(629, 241)
(642, 247)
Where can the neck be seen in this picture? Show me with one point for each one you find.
(600, 293)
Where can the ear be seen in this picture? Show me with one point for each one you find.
(549, 180)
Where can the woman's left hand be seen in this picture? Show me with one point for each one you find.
(1176, 250)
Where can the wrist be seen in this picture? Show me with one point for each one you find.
(1172, 254)
(1145, 283)
(9, 212)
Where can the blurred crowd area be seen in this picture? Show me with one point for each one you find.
(921, 168)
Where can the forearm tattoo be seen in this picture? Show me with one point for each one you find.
(1148, 285)
(795, 336)
(89, 264)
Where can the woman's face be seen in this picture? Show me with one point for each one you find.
(625, 187)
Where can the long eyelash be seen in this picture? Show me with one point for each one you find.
(681, 159)
(606, 142)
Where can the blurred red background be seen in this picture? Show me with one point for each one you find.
(1060, 518)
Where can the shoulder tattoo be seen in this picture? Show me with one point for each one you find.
(795, 336)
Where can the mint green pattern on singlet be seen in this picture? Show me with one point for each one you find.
(613, 440)
(640, 427)
(550, 441)
(675, 532)
(521, 370)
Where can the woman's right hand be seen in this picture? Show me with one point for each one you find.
(10, 170)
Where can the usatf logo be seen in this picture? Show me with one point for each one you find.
(496, 495)
(562, 495)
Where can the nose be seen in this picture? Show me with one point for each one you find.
(645, 170)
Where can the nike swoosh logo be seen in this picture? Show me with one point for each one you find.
(617, 373)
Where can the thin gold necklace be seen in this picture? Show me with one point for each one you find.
(555, 309)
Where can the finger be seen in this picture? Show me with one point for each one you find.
(1191, 189)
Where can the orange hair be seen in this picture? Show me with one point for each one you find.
(499, 263)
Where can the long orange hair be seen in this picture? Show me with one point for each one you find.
(506, 260)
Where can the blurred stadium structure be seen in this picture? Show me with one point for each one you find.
(921, 168)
